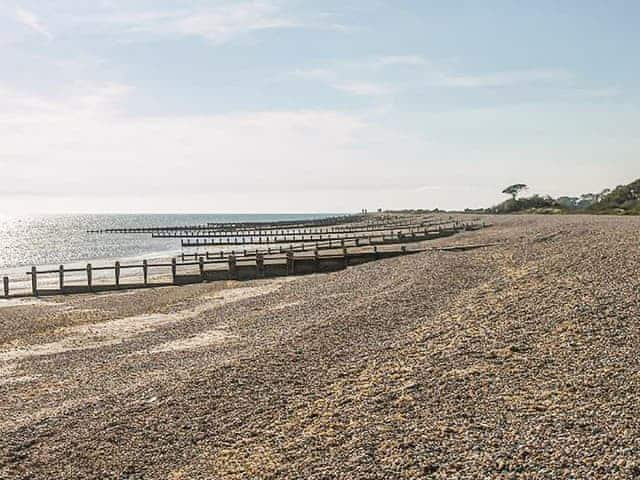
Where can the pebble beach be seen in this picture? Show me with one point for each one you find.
(517, 360)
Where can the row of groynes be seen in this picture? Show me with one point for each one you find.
(321, 245)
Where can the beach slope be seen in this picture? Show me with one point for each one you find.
(517, 360)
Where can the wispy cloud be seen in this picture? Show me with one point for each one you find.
(218, 24)
(80, 100)
(500, 79)
(223, 23)
(337, 79)
(391, 60)
(30, 20)
(603, 93)
(363, 77)
(381, 75)
(363, 88)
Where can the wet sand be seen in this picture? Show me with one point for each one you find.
(518, 360)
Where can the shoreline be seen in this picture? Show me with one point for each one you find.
(20, 281)
(445, 364)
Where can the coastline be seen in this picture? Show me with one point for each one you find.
(47, 241)
(497, 361)
(21, 283)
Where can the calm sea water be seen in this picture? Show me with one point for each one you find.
(45, 240)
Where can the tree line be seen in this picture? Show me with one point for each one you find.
(624, 199)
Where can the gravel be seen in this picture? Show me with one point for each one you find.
(518, 360)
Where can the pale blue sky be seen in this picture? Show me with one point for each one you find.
(292, 105)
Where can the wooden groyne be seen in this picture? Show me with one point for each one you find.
(306, 247)
(379, 239)
(279, 248)
(237, 225)
(279, 232)
(232, 267)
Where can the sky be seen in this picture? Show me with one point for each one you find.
(306, 106)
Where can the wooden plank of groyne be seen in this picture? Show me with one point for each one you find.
(116, 269)
(89, 277)
(145, 272)
(34, 281)
(259, 265)
(291, 265)
(232, 266)
(5, 284)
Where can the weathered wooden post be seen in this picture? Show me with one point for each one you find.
(61, 277)
(232, 266)
(291, 267)
(182, 256)
(357, 242)
(5, 283)
(174, 270)
(345, 256)
(316, 258)
(89, 277)
(117, 272)
(145, 271)
(201, 266)
(34, 281)
(403, 249)
(259, 265)
(375, 252)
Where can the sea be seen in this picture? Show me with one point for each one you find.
(47, 241)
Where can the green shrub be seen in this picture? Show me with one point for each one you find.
(526, 204)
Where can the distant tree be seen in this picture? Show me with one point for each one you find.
(587, 200)
(568, 202)
(602, 195)
(515, 189)
(623, 198)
